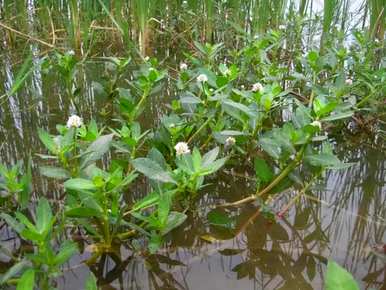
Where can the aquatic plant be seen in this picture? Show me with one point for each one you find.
(237, 87)
(42, 265)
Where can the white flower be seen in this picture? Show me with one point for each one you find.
(242, 87)
(182, 148)
(317, 124)
(183, 66)
(71, 52)
(257, 87)
(281, 27)
(230, 141)
(74, 122)
(147, 58)
(349, 82)
(202, 78)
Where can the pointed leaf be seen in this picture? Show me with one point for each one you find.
(79, 184)
(337, 278)
(54, 172)
(27, 280)
(96, 150)
(152, 170)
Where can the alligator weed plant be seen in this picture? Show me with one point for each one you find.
(229, 108)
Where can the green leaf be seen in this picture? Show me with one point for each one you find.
(210, 157)
(96, 150)
(301, 117)
(262, 170)
(13, 271)
(27, 280)
(338, 116)
(13, 223)
(54, 172)
(157, 156)
(337, 278)
(79, 184)
(67, 250)
(323, 106)
(43, 216)
(79, 212)
(32, 235)
(237, 106)
(164, 205)
(174, 220)
(323, 159)
(91, 282)
(47, 140)
(190, 100)
(148, 201)
(218, 217)
(270, 146)
(213, 167)
(152, 170)
(155, 243)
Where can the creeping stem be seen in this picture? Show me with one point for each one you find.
(273, 183)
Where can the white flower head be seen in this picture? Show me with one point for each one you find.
(183, 66)
(182, 148)
(74, 122)
(281, 27)
(257, 87)
(71, 52)
(147, 58)
(348, 82)
(202, 78)
(317, 124)
(242, 87)
(230, 141)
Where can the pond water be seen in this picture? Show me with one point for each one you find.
(342, 219)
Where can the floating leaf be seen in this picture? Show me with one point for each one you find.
(219, 218)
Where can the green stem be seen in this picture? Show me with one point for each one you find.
(198, 131)
(141, 101)
(274, 182)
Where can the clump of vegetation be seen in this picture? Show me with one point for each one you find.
(271, 104)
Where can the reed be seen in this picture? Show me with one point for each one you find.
(377, 15)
